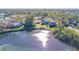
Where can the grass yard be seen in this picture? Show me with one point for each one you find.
(19, 28)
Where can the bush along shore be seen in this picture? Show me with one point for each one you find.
(68, 36)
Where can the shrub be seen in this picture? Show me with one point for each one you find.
(68, 36)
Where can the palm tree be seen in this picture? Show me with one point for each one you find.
(59, 24)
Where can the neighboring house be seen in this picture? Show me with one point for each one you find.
(14, 25)
(72, 21)
(52, 24)
(38, 20)
(17, 24)
(29, 24)
(44, 21)
(10, 23)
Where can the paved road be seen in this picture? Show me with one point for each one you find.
(38, 40)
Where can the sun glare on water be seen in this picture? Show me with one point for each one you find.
(42, 36)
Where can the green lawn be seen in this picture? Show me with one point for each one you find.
(53, 29)
(36, 26)
(19, 28)
(40, 26)
(46, 26)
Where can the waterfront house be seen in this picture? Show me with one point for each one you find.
(44, 21)
(9, 23)
(38, 20)
(52, 24)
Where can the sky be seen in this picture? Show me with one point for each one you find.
(39, 4)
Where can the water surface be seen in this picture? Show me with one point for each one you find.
(37, 40)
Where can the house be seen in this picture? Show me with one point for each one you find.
(29, 23)
(44, 21)
(52, 24)
(72, 21)
(10, 23)
(38, 20)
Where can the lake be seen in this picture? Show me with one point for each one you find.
(37, 40)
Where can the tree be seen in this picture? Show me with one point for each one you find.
(19, 18)
(59, 24)
(29, 24)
